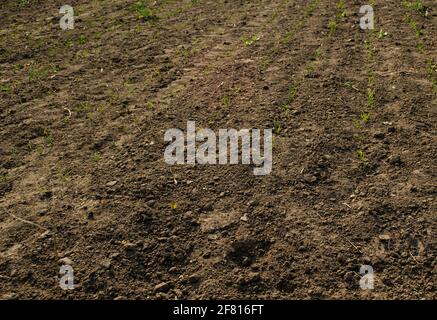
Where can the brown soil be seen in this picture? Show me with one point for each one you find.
(83, 114)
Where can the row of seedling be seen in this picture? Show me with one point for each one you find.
(313, 5)
(310, 66)
(341, 13)
(146, 12)
(286, 38)
(418, 7)
(248, 41)
(361, 121)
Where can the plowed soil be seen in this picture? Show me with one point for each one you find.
(83, 179)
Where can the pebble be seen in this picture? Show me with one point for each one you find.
(208, 207)
(194, 278)
(349, 277)
(188, 214)
(309, 178)
(111, 183)
(162, 287)
(43, 212)
(244, 218)
(253, 203)
(65, 261)
(379, 135)
(395, 160)
(384, 237)
(252, 277)
(45, 234)
(302, 249)
(172, 270)
(128, 245)
(178, 293)
(114, 255)
(106, 263)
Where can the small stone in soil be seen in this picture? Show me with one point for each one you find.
(384, 237)
(395, 160)
(65, 261)
(162, 287)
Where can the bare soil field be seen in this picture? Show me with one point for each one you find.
(83, 181)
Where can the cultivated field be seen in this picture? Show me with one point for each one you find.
(83, 181)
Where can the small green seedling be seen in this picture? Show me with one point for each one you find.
(40, 73)
(145, 13)
(150, 105)
(277, 127)
(25, 3)
(350, 85)
(82, 39)
(318, 52)
(364, 117)
(362, 156)
(48, 138)
(226, 101)
(341, 7)
(382, 33)
(65, 175)
(97, 157)
(292, 92)
(370, 98)
(5, 88)
(332, 27)
(286, 109)
(357, 123)
(249, 41)
(417, 5)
